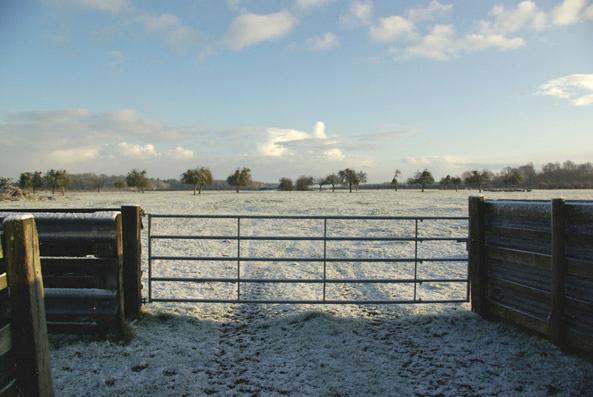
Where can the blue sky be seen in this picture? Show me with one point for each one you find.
(294, 87)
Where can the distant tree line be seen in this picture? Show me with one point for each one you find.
(347, 177)
(136, 179)
(567, 175)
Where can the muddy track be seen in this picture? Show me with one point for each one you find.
(239, 348)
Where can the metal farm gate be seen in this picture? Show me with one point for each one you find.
(415, 237)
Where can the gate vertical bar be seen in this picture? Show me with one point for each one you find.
(149, 258)
(324, 254)
(415, 257)
(238, 258)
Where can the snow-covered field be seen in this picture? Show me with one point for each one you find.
(202, 349)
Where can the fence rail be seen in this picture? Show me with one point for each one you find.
(323, 259)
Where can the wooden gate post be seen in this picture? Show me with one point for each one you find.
(558, 272)
(29, 329)
(478, 270)
(132, 247)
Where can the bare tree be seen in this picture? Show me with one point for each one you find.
(56, 179)
(285, 184)
(361, 177)
(422, 178)
(348, 177)
(241, 177)
(394, 181)
(138, 179)
(333, 180)
(197, 177)
(303, 183)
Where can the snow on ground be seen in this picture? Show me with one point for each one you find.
(224, 349)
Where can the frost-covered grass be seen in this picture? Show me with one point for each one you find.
(201, 349)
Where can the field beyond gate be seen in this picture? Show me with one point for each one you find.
(399, 238)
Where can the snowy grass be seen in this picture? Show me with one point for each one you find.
(202, 349)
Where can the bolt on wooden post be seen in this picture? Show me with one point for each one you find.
(29, 329)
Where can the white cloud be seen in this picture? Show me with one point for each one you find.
(274, 147)
(360, 13)
(138, 151)
(290, 143)
(442, 43)
(501, 31)
(180, 153)
(179, 36)
(391, 29)
(589, 12)
(112, 6)
(568, 12)
(577, 88)
(324, 42)
(476, 42)
(444, 161)
(306, 4)
(334, 154)
(250, 29)
(439, 44)
(319, 130)
(73, 155)
(433, 10)
(506, 21)
(81, 140)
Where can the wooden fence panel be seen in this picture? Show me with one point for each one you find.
(539, 260)
(82, 266)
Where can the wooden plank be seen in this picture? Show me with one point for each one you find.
(520, 318)
(525, 290)
(7, 369)
(80, 294)
(68, 303)
(579, 341)
(518, 209)
(478, 270)
(78, 247)
(29, 329)
(558, 272)
(132, 260)
(579, 267)
(72, 281)
(517, 238)
(76, 265)
(5, 339)
(528, 258)
(74, 272)
(10, 390)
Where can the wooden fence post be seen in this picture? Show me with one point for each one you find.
(478, 270)
(132, 246)
(558, 272)
(29, 329)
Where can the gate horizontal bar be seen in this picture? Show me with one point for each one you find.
(308, 302)
(305, 238)
(310, 281)
(337, 217)
(283, 259)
